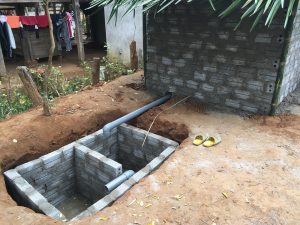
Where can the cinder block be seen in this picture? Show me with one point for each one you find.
(51, 211)
(29, 166)
(168, 151)
(12, 174)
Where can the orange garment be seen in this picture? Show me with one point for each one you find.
(13, 21)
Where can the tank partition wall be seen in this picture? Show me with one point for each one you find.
(69, 183)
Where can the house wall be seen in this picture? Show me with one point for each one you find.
(119, 35)
(192, 52)
(291, 72)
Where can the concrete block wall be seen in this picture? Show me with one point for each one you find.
(48, 181)
(93, 171)
(52, 175)
(192, 52)
(125, 146)
(106, 146)
(131, 154)
(291, 73)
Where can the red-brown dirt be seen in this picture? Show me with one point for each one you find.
(251, 177)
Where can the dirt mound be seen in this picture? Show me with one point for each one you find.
(175, 131)
(136, 86)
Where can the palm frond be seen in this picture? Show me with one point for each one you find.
(250, 8)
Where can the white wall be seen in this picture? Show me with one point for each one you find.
(119, 35)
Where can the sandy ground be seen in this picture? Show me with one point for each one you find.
(252, 177)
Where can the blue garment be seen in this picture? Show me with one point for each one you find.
(61, 32)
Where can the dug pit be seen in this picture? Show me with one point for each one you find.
(69, 183)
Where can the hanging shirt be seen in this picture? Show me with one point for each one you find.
(13, 21)
(11, 37)
(28, 20)
(3, 19)
(42, 21)
(69, 23)
(3, 39)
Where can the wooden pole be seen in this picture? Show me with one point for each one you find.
(29, 86)
(134, 62)
(2, 64)
(96, 70)
(79, 39)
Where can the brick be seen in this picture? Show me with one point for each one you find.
(179, 63)
(223, 35)
(242, 94)
(255, 85)
(199, 96)
(166, 61)
(29, 166)
(232, 103)
(12, 174)
(199, 76)
(207, 87)
(192, 84)
(178, 81)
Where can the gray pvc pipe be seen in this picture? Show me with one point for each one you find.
(108, 127)
(119, 180)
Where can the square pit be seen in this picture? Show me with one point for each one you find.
(68, 184)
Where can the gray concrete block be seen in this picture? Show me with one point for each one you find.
(51, 211)
(208, 88)
(29, 166)
(232, 103)
(166, 61)
(168, 151)
(12, 174)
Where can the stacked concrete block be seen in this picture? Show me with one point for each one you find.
(105, 146)
(85, 167)
(132, 153)
(209, 60)
(93, 171)
(52, 175)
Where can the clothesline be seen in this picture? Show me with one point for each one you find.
(63, 29)
(17, 21)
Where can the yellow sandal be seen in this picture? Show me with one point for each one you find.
(199, 139)
(212, 141)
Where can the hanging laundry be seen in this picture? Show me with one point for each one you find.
(10, 40)
(13, 21)
(3, 18)
(30, 23)
(69, 23)
(63, 33)
(3, 40)
(28, 20)
(11, 37)
(42, 21)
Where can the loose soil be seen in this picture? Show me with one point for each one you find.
(251, 177)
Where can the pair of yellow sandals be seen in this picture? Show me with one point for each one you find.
(206, 140)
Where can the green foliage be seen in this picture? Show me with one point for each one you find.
(76, 84)
(250, 8)
(86, 68)
(113, 68)
(56, 81)
(13, 103)
(16, 101)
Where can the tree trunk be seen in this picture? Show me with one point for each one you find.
(50, 56)
(133, 56)
(96, 71)
(29, 85)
